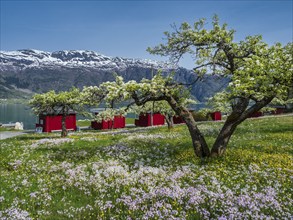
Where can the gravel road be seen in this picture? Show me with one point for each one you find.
(10, 134)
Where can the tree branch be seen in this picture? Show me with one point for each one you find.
(256, 107)
(142, 100)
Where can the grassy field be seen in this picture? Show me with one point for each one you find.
(151, 174)
(7, 129)
(83, 123)
(87, 123)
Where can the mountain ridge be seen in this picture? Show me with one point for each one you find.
(28, 71)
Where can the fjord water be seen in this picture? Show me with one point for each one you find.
(11, 113)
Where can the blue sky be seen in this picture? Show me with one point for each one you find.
(127, 28)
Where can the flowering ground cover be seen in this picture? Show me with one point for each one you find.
(151, 174)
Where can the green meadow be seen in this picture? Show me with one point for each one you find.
(149, 174)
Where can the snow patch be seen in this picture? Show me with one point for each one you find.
(71, 58)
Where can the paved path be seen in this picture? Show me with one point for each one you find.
(10, 134)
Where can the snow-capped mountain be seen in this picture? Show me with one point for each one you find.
(23, 72)
(23, 59)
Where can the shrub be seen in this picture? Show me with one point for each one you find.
(202, 115)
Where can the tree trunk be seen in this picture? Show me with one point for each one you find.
(289, 106)
(239, 114)
(200, 146)
(64, 130)
(169, 120)
(223, 138)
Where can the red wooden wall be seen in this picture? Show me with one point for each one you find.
(118, 122)
(216, 116)
(50, 123)
(145, 120)
(278, 111)
(101, 125)
(178, 120)
(255, 115)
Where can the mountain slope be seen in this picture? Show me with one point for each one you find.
(24, 72)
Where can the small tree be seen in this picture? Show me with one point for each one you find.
(161, 106)
(157, 89)
(53, 103)
(107, 92)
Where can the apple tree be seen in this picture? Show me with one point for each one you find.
(53, 103)
(107, 93)
(258, 73)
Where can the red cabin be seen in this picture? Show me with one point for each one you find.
(118, 122)
(279, 110)
(145, 120)
(255, 115)
(216, 116)
(103, 125)
(178, 120)
(50, 123)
